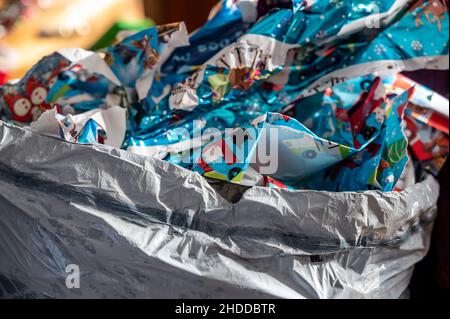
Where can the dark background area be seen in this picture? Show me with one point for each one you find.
(431, 279)
(193, 12)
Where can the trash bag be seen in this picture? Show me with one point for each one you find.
(93, 221)
(101, 196)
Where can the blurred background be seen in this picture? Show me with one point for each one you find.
(30, 29)
(194, 12)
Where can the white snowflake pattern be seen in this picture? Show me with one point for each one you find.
(416, 45)
(379, 49)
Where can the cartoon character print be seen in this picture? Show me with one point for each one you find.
(68, 129)
(434, 12)
(237, 79)
(36, 92)
(183, 89)
(219, 85)
(243, 78)
(123, 52)
(380, 114)
(20, 107)
(341, 113)
(150, 56)
(28, 107)
(37, 95)
(384, 173)
(439, 148)
(431, 150)
(244, 69)
(366, 104)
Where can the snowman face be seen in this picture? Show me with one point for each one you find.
(38, 95)
(22, 106)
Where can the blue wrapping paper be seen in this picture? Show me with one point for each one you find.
(311, 62)
(314, 70)
(301, 159)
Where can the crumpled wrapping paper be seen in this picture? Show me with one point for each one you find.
(141, 227)
(276, 56)
(367, 143)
